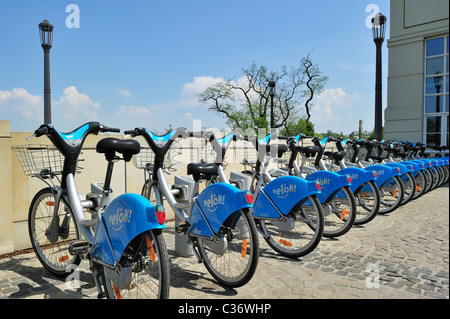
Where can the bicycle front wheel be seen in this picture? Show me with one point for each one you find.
(299, 233)
(233, 258)
(409, 187)
(149, 261)
(50, 235)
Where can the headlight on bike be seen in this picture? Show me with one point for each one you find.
(160, 214)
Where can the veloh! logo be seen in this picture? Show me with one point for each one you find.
(214, 201)
(379, 172)
(323, 181)
(284, 190)
(121, 217)
(353, 177)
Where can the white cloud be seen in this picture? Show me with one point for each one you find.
(76, 107)
(337, 110)
(124, 92)
(29, 107)
(188, 93)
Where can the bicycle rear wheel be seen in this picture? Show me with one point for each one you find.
(299, 233)
(368, 203)
(339, 213)
(50, 237)
(391, 193)
(421, 184)
(149, 261)
(232, 260)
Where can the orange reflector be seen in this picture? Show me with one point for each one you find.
(50, 203)
(117, 292)
(418, 188)
(151, 250)
(394, 193)
(63, 258)
(244, 248)
(344, 213)
(285, 242)
(363, 195)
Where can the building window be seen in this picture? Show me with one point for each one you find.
(436, 119)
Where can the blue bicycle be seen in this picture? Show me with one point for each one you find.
(122, 240)
(215, 224)
(286, 210)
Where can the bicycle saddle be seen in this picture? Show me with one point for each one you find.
(202, 170)
(109, 146)
(280, 148)
(336, 156)
(308, 151)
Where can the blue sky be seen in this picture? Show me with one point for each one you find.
(140, 63)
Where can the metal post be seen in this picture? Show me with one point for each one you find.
(47, 93)
(378, 92)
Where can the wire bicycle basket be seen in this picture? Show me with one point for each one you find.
(146, 157)
(40, 160)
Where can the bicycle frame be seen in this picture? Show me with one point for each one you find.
(204, 212)
(274, 198)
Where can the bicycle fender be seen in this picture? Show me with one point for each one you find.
(213, 206)
(126, 216)
(281, 195)
(413, 165)
(358, 176)
(403, 168)
(330, 183)
(383, 172)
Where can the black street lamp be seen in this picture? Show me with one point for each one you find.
(271, 93)
(46, 35)
(378, 31)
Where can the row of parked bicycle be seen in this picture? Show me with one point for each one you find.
(291, 203)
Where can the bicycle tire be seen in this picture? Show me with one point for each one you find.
(391, 193)
(409, 188)
(151, 191)
(53, 253)
(341, 215)
(308, 223)
(421, 184)
(150, 272)
(368, 203)
(236, 266)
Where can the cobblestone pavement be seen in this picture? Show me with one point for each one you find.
(401, 255)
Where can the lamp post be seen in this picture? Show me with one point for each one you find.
(378, 31)
(271, 93)
(46, 35)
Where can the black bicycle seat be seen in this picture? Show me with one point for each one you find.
(336, 156)
(202, 170)
(280, 148)
(109, 146)
(308, 151)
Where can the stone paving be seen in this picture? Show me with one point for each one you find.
(403, 255)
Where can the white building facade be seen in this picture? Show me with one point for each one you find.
(418, 79)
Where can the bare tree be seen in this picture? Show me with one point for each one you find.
(246, 102)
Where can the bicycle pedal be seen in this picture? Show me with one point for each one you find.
(79, 247)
